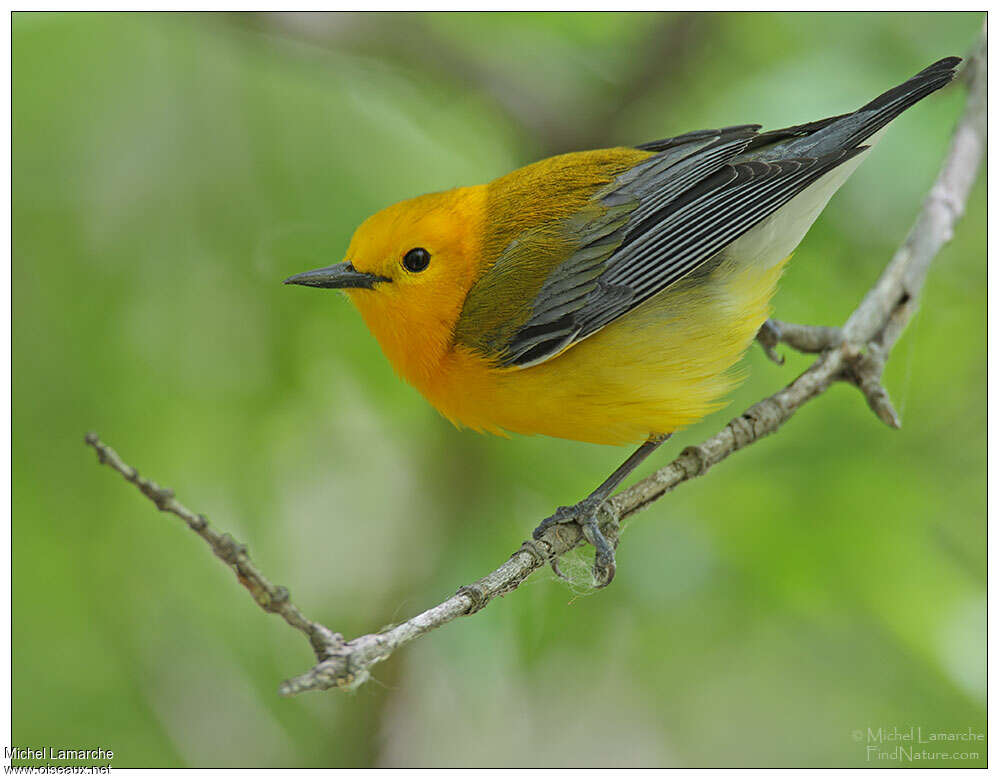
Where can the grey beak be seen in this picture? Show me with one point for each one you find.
(336, 276)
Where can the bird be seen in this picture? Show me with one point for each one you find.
(602, 296)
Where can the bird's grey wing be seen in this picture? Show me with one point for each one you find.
(697, 194)
(523, 309)
(578, 286)
(681, 219)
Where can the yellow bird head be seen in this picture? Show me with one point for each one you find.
(408, 270)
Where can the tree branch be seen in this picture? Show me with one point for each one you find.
(855, 353)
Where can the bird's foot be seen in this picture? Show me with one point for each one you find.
(769, 337)
(585, 513)
(809, 339)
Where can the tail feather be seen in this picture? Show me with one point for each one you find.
(884, 108)
(849, 130)
(929, 79)
(769, 242)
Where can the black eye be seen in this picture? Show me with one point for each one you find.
(416, 259)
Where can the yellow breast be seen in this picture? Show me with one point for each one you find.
(659, 368)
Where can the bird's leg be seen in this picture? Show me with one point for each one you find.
(586, 512)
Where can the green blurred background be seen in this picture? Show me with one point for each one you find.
(170, 171)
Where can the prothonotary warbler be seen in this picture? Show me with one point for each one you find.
(602, 296)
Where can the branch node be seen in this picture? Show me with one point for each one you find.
(228, 549)
(274, 601)
(331, 673)
(950, 201)
(324, 642)
(743, 429)
(538, 558)
(864, 370)
(476, 595)
(199, 523)
(757, 421)
(160, 496)
(700, 458)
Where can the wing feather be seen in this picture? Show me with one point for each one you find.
(659, 247)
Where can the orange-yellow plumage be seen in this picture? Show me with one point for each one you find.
(657, 370)
(660, 367)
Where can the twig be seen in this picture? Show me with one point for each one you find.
(270, 597)
(855, 353)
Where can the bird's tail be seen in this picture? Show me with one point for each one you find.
(847, 136)
(884, 108)
(848, 131)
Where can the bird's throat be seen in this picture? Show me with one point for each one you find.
(415, 341)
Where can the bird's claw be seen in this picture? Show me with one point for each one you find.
(585, 513)
(564, 514)
(604, 564)
(769, 336)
